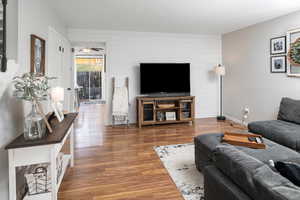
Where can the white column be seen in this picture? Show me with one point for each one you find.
(72, 145)
(12, 175)
(53, 174)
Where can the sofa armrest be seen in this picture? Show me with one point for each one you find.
(218, 187)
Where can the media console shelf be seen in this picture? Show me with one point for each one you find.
(165, 110)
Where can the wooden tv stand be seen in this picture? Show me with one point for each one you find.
(165, 110)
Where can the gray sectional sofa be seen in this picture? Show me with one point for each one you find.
(253, 178)
(240, 173)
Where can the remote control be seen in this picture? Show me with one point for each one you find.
(258, 140)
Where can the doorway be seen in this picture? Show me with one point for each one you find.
(90, 78)
(90, 74)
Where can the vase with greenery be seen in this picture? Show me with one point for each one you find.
(33, 88)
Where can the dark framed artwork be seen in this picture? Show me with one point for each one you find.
(278, 45)
(37, 61)
(3, 58)
(278, 64)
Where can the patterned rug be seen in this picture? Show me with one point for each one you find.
(179, 160)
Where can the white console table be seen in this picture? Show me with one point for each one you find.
(46, 150)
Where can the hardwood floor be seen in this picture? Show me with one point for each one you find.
(120, 164)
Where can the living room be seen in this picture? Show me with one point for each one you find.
(176, 78)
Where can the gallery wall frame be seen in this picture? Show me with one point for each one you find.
(278, 45)
(278, 64)
(293, 68)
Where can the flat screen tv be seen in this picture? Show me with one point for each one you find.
(165, 78)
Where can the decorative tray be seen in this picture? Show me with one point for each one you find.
(247, 140)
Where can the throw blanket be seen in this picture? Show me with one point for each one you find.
(120, 102)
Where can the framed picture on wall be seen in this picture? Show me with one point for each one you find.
(37, 55)
(293, 64)
(278, 64)
(278, 45)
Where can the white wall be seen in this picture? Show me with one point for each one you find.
(35, 16)
(125, 50)
(248, 82)
(12, 30)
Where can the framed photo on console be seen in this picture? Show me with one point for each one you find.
(58, 112)
(278, 45)
(278, 64)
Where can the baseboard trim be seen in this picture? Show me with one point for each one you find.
(228, 117)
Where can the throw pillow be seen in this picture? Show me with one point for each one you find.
(289, 170)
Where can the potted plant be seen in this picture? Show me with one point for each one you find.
(33, 87)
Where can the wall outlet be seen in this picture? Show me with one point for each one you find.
(246, 110)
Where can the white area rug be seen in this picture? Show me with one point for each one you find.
(179, 160)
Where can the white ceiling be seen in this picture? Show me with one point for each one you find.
(173, 16)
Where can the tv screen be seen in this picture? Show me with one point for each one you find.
(165, 78)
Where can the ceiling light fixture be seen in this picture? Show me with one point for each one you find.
(86, 50)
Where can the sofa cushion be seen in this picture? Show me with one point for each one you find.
(255, 178)
(289, 110)
(282, 132)
(273, 151)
